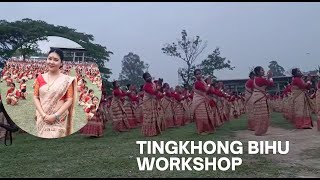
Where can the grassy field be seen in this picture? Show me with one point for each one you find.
(24, 113)
(114, 155)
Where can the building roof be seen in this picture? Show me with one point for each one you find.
(58, 42)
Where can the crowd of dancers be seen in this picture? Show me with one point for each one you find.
(157, 106)
(298, 101)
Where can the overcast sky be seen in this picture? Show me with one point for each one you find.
(248, 34)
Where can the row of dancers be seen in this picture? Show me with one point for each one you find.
(297, 102)
(157, 106)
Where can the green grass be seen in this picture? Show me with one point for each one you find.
(114, 155)
(23, 114)
(278, 121)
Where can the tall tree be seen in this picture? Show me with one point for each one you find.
(187, 49)
(185, 74)
(214, 62)
(276, 69)
(132, 70)
(28, 49)
(19, 35)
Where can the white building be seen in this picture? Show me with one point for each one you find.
(72, 50)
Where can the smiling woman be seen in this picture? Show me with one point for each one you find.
(47, 97)
(54, 98)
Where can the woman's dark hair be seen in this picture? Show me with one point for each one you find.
(251, 74)
(23, 80)
(294, 72)
(145, 75)
(195, 71)
(58, 51)
(207, 79)
(257, 70)
(160, 81)
(14, 85)
(164, 85)
(94, 97)
(114, 83)
(90, 90)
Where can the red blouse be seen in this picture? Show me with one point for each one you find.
(191, 95)
(118, 93)
(199, 85)
(177, 96)
(168, 94)
(250, 84)
(300, 83)
(148, 87)
(11, 90)
(260, 81)
(134, 98)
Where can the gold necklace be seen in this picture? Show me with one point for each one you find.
(51, 83)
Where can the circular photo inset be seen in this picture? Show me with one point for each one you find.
(52, 95)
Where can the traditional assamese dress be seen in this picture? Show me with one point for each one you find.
(178, 109)
(302, 103)
(51, 99)
(261, 110)
(119, 116)
(95, 125)
(248, 104)
(167, 104)
(151, 120)
(201, 108)
(130, 111)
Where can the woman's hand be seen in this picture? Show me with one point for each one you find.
(50, 119)
(44, 116)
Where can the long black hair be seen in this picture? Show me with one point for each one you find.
(257, 70)
(251, 74)
(294, 72)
